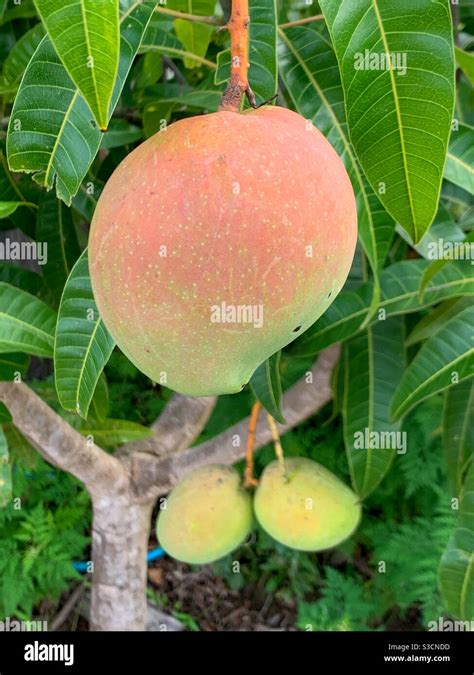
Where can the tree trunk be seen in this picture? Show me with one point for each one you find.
(121, 529)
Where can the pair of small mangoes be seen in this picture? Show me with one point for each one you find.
(303, 506)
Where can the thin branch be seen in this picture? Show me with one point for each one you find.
(59, 443)
(301, 22)
(152, 476)
(177, 427)
(188, 17)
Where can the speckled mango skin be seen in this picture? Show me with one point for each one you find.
(247, 209)
(313, 511)
(207, 516)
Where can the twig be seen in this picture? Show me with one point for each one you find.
(239, 52)
(67, 608)
(188, 17)
(277, 444)
(249, 478)
(301, 22)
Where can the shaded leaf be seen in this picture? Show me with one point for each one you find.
(458, 430)
(109, 433)
(26, 323)
(13, 364)
(266, 385)
(460, 160)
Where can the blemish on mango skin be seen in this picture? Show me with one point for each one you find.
(236, 201)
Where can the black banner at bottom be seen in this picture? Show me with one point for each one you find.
(28, 652)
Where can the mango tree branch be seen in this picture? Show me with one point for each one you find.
(59, 443)
(177, 427)
(239, 50)
(153, 476)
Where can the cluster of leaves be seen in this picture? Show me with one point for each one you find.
(404, 318)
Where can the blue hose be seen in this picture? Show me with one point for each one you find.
(154, 554)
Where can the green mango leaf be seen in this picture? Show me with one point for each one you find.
(399, 287)
(456, 570)
(399, 102)
(56, 137)
(109, 433)
(432, 322)
(195, 37)
(19, 57)
(444, 360)
(83, 345)
(458, 430)
(159, 38)
(86, 37)
(22, 278)
(460, 160)
(373, 366)
(121, 132)
(26, 323)
(266, 385)
(309, 71)
(13, 364)
(5, 472)
(23, 10)
(263, 71)
(465, 60)
(99, 408)
(7, 208)
(55, 227)
(11, 190)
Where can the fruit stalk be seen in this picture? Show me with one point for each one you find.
(238, 27)
(249, 479)
(277, 444)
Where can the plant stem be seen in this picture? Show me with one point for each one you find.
(249, 479)
(301, 22)
(277, 444)
(238, 27)
(189, 17)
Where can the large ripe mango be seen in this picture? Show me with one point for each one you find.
(217, 242)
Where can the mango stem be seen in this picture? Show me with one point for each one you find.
(238, 27)
(250, 481)
(277, 444)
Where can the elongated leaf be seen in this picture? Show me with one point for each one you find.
(456, 571)
(309, 70)
(109, 433)
(19, 57)
(52, 132)
(12, 190)
(266, 385)
(55, 228)
(5, 416)
(432, 322)
(159, 38)
(99, 408)
(120, 132)
(443, 229)
(26, 323)
(195, 36)
(465, 60)
(13, 364)
(7, 208)
(460, 161)
(5, 472)
(449, 352)
(397, 70)
(263, 71)
(21, 277)
(373, 367)
(83, 344)
(458, 430)
(86, 36)
(399, 286)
